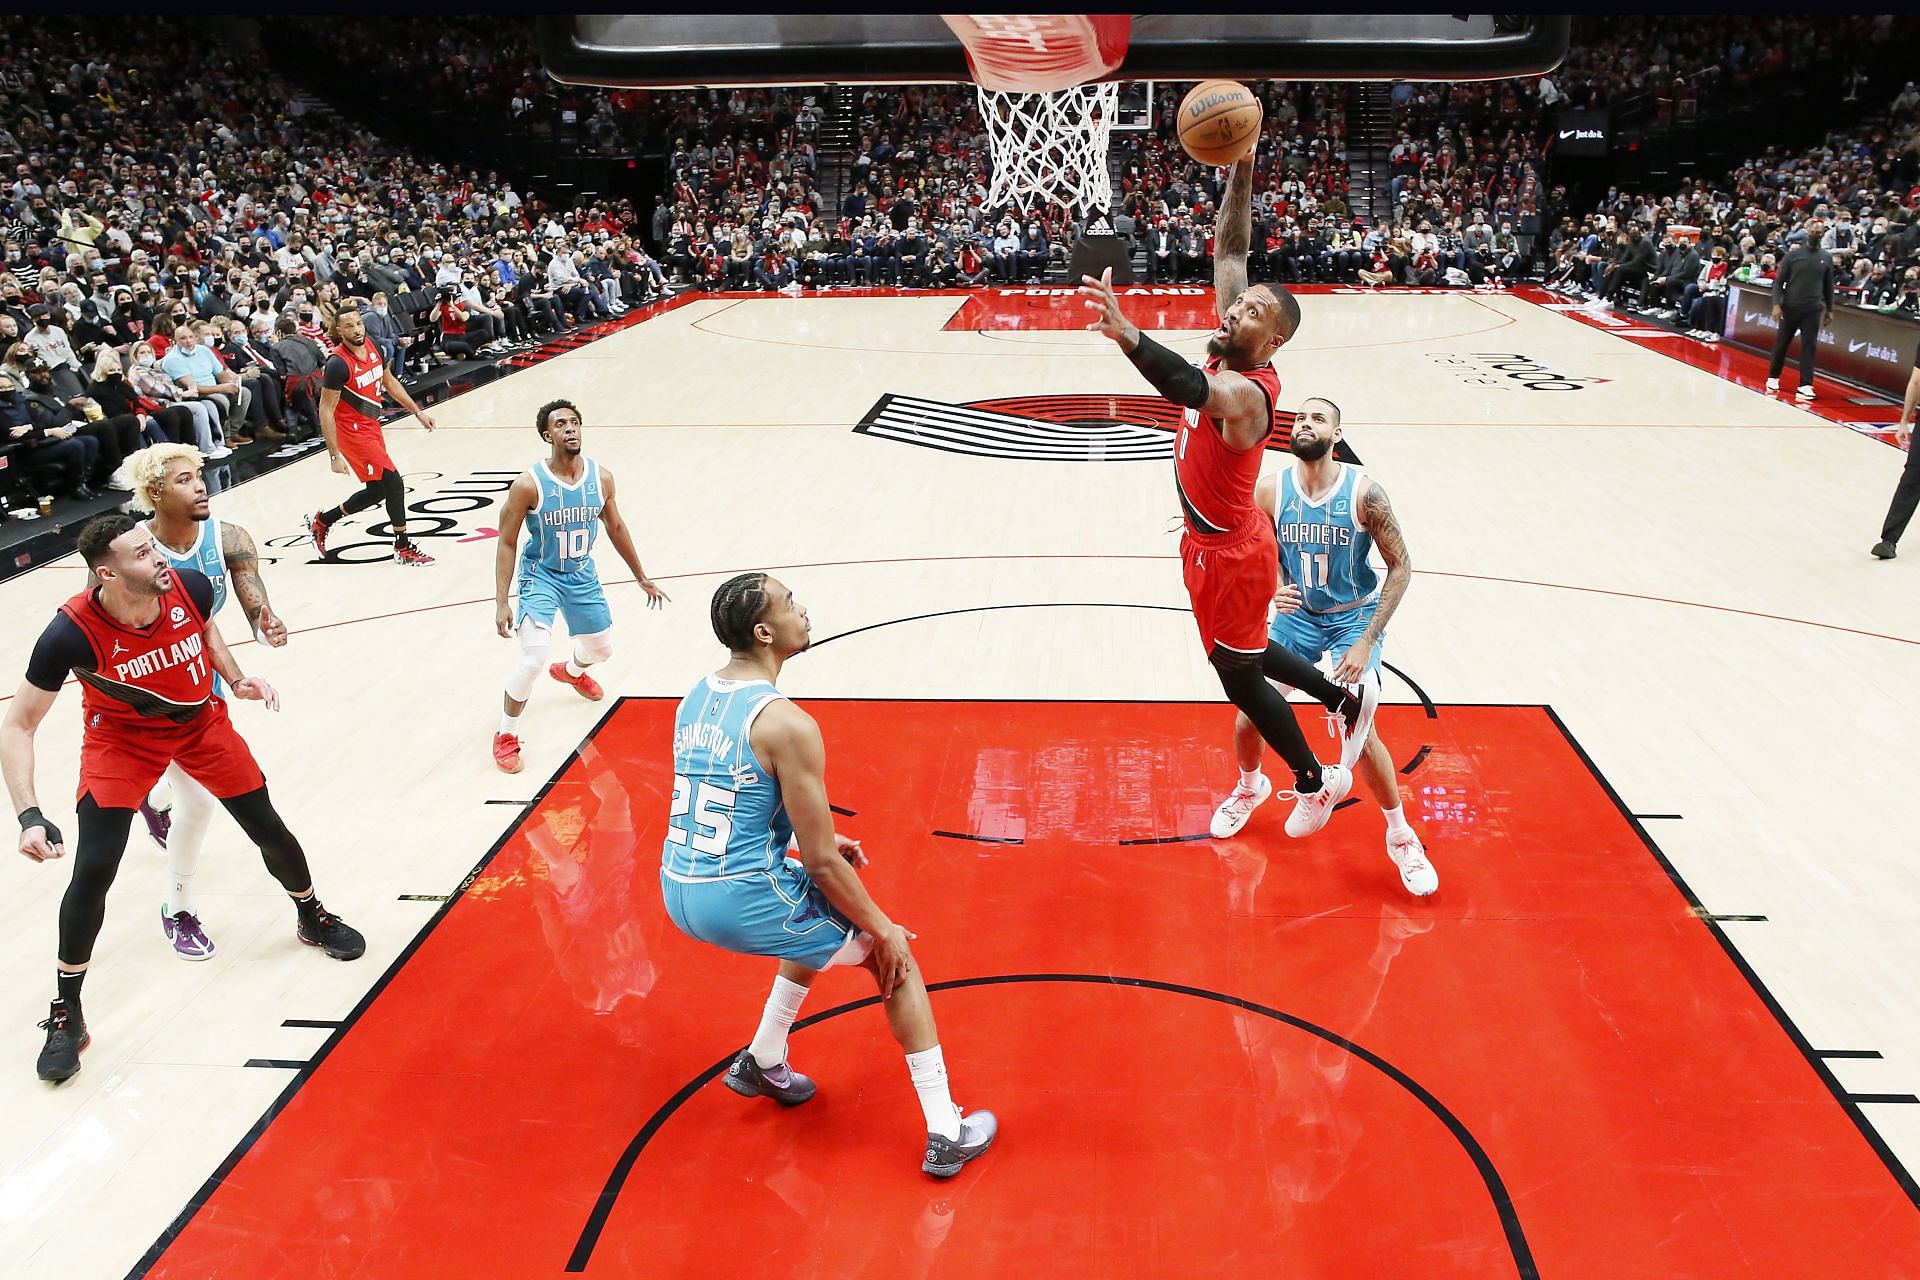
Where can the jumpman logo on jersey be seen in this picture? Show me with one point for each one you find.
(118, 649)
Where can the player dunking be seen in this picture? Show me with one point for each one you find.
(350, 419)
(1227, 551)
(1327, 517)
(749, 782)
(144, 648)
(167, 481)
(562, 502)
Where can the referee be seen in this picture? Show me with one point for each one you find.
(1802, 302)
(1906, 494)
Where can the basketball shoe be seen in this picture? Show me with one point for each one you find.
(583, 684)
(411, 556)
(317, 530)
(1312, 809)
(159, 822)
(1353, 725)
(1408, 854)
(1238, 807)
(945, 1156)
(321, 928)
(67, 1036)
(782, 1083)
(190, 941)
(506, 752)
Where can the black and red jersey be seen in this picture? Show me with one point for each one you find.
(1215, 480)
(131, 676)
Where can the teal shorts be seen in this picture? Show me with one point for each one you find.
(1311, 635)
(777, 913)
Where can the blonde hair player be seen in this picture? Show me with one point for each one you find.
(168, 481)
(562, 503)
(1327, 517)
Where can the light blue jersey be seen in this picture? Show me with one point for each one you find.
(1324, 551)
(725, 877)
(204, 555)
(728, 819)
(563, 524)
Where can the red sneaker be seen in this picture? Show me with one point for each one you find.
(583, 684)
(317, 530)
(506, 752)
(411, 556)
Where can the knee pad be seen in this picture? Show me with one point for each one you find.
(535, 639)
(594, 647)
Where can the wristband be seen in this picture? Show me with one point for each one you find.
(32, 817)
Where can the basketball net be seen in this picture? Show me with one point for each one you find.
(1047, 128)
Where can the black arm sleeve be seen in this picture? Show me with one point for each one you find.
(61, 648)
(336, 374)
(199, 589)
(1171, 376)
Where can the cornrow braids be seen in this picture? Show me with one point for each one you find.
(739, 603)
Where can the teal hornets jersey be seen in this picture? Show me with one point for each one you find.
(205, 555)
(1323, 549)
(728, 819)
(563, 524)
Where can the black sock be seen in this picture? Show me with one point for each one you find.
(332, 515)
(308, 908)
(69, 985)
(400, 542)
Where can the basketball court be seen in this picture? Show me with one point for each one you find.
(1649, 701)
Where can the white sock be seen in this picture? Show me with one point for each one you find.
(510, 723)
(1250, 779)
(180, 896)
(574, 668)
(929, 1071)
(769, 1047)
(1396, 820)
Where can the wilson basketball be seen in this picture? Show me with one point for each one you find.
(1219, 121)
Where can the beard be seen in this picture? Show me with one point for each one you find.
(1313, 450)
(1215, 347)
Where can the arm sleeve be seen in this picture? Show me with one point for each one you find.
(1171, 375)
(199, 589)
(61, 648)
(336, 374)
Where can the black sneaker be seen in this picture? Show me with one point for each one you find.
(331, 934)
(783, 1084)
(945, 1156)
(66, 1029)
(1883, 550)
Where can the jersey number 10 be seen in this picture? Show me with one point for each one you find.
(575, 542)
(712, 816)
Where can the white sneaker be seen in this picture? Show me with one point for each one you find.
(1238, 807)
(221, 451)
(121, 481)
(1310, 812)
(1353, 740)
(1805, 393)
(1408, 854)
(1773, 384)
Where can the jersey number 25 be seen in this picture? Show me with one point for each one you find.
(712, 818)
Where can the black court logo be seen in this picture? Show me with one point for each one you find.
(447, 510)
(1509, 369)
(1068, 428)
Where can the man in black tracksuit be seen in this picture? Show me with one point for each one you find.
(1802, 302)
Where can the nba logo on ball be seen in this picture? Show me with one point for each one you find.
(1219, 121)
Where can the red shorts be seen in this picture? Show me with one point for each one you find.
(365, 452)
(1231, 578)
(118, 766)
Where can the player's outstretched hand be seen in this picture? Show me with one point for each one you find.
(894, 958)
(1098, 297)
(1287, 598)
(268, 629)
(849, 849)
(254, 689)
(655, 596)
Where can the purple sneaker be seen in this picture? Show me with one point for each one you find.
(190, 941)
(159, 824)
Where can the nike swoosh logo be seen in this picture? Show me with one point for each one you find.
(1853, 346)
(1568, 133)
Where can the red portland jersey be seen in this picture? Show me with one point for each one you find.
(1215, 480)
(161, 671)
(359, 407)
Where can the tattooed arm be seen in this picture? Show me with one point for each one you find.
(243, 571)
(1378, 519)
(1232, 229)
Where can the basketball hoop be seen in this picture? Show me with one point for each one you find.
(1047, 127)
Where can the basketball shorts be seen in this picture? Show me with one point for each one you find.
(365, 450)
(578, 597)
(1231, 578)
(118, 767)
(777, 913)
(1313, 635)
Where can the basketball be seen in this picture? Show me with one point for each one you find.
(1219, 120)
